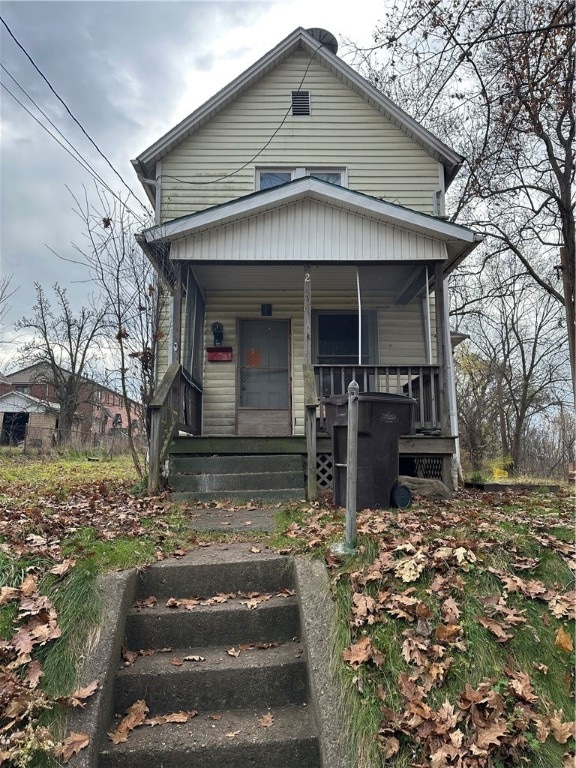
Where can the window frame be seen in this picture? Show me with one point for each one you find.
(300, 172)
(370, 322)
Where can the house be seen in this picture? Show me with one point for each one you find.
(29, 410)
(300, 227)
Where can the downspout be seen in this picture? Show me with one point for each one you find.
(456, 463)
(359, 317)
(428, 326)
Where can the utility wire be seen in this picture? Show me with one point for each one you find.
(39, 108)
(80, 162)
(233, 173)
(61, 100)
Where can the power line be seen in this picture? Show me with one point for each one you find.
(233, 173)
(39, 108)
(79, 160)
(61, 100)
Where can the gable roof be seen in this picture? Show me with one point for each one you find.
(459, 240)
(25, 403)
(300, 39)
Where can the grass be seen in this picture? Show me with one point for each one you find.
(498, 533)
(67, 506)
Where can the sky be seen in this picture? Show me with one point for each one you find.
(128, 71)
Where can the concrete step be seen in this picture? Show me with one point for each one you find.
(207, 571)
(279, 494)
(188, 465)
(236, 740)
(268, 677)
(230, 623)
(236, 689)
(209, 482)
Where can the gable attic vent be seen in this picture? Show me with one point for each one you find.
(300, 103)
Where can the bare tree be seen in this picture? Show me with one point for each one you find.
(134, 300)
(496, 81)
(514, 370)
(63, 345)
(6, 291)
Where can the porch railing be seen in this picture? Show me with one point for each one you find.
(177, 405)
(418, 381)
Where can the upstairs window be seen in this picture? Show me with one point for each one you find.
(273, 177)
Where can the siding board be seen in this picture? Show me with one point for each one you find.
(400, 341)
(343, 130)
(311, 231)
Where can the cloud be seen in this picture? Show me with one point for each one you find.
(129, 71)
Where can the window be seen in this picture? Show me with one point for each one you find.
(336, 339)
(266, 178)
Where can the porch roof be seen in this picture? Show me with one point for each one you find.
(458, 240)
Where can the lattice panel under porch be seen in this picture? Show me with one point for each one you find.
(424, 466)
(429, 467)
(324, 470)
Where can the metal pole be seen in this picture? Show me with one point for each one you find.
(352, 465)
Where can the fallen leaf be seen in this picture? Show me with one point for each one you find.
(447, 631)
(266, 720)
(564, 641)
(194, 657)
(233, 652)
(176, 662)
(72, 745)
(560, 730)
(63, 567)
(255, 550)
(497, 629)
(135, 715)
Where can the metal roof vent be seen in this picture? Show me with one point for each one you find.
(300, 103)
(326, 38)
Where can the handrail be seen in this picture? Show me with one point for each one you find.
(164, 411)
(418, 381)
(176, 404)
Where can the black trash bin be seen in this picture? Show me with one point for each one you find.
(382, 418)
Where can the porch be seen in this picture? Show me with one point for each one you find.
(177, 442)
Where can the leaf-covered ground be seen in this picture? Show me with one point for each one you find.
(455, 638)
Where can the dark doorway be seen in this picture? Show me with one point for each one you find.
(14, 428)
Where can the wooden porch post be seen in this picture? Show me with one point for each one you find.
(441, 351)
(177, 328)
(310, 394)
(177, 313)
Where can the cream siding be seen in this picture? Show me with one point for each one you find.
(400, 342)
(217, 163)
(312, 231)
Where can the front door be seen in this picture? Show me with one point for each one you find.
(264, 377)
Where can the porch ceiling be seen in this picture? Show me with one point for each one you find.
(283, 277)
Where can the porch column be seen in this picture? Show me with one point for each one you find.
(441, 351)
(177, 313)
(310, 393)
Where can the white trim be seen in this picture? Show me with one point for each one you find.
(158, 195)
(309, 187)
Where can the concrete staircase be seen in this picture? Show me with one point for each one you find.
(212, 468)
(253, 708)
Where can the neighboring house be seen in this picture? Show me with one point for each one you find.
(24, 418)
(28, 409)
(300, 225)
